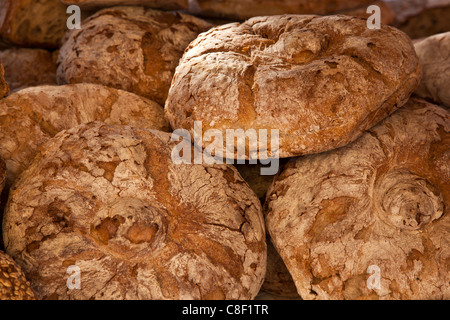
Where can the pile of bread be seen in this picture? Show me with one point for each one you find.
(94, 206)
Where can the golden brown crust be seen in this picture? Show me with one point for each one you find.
(155, 4)
(321, 81)
(26, 67)
(33, 23)
(4, 88)
(382, 201)
(245, 9)
(141, 60)
(109, 200)
(30, 117)
(434, 57)
(13, 283)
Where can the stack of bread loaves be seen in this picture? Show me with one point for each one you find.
(104, 195)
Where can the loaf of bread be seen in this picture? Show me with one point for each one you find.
(4, 88)
(387, 14)
(320, 81)
(30, 117)
(26, 67)
(129, 48)
(245, 9)
(156, 4)
(33, 23)
(370, 220)
(434, 57)
(421, 18)
(109, 201)
(13, 284)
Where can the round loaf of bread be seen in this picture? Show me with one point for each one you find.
(13, 284)
(244, 9)
(33, 23)
(320, 81)
(28, 118)
(434, 57)
(129, 48)
(370, 220)
(109, 203)
(25, 67)
(156, 4)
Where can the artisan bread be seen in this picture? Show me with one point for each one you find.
(33, 23)
(434, 57)
(421, 18)
(4, 88)
(129, 48)
(30, 117)
(110, 201)
(13, 284)
(25, 67)
(370, 220)
(156, 4)
(245, 9)
(320, 81)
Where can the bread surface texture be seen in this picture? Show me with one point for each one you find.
(319, 81)
(109, 200)
(29, 117)
(370, 220)
(130, 48)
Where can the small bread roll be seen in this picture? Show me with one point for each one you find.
(156, 4)
(30, 117)
(245, 9)
(320, 81)
(370, 220)
(109, 201)
(26, 67)
(13, 284)
(129, 48)
(434, 57)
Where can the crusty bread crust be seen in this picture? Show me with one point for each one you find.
(321, 81)
(110, 200)
(245, 9)
(25, 67)
(129, 48)
(13, 283)
(381, 201)
(434, 57)
(155, 4)
(30, 117)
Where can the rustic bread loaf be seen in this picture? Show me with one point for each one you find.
(109, 200)
(26, 67)
(421, 18)
(30, 117)
(156, 4)
(4, 89)
(129, 48)
(387, 13)
(245, 9)
(378, 208)
(13, 284)
(320, 81)
(33, 23)
(434, 57)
